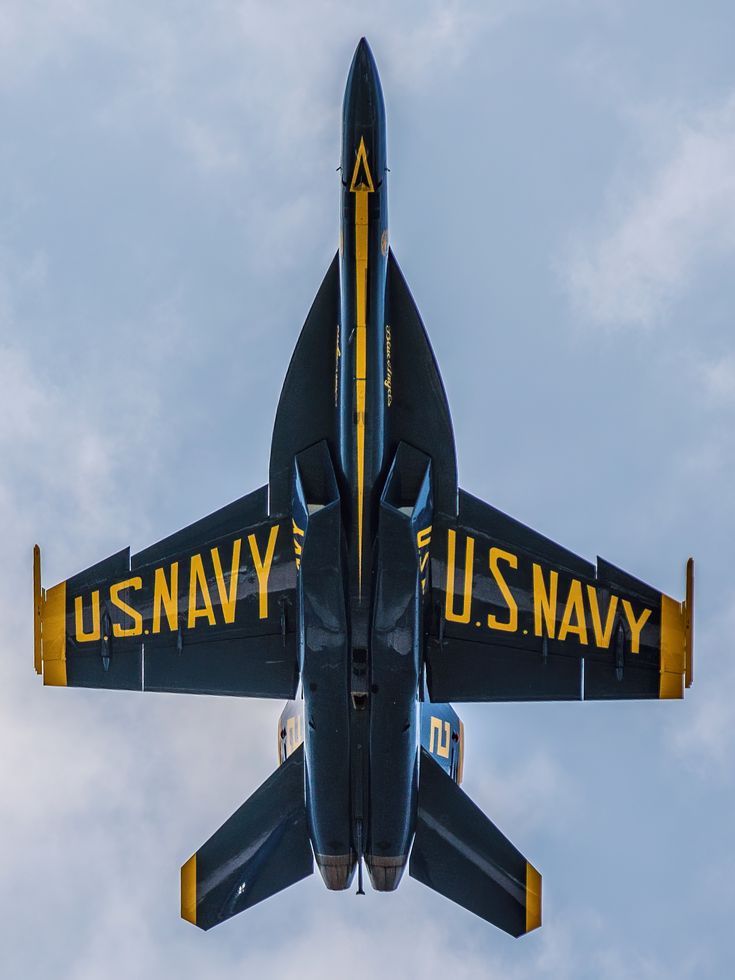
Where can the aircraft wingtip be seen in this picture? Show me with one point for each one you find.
(189, 890)
(533, 898)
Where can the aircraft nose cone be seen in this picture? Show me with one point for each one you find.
(363, 61)
(364, 110)
(363, 84)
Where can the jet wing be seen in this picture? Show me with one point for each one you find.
(209, 610)
(516, 617)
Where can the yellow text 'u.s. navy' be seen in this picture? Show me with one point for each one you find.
(491, 588)
(196, 591)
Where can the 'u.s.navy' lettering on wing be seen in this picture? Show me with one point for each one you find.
(201, 591)
(533, 599)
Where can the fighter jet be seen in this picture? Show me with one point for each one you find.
(364, 587)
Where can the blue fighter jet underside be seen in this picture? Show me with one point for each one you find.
(363, 587)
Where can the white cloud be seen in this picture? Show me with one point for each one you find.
(445, 35)
(519, 797)
(36, 36)
(704, 739)
(660, 226)
(260, 61)
(718, 378)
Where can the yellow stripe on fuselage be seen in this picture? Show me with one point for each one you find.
(361, 185)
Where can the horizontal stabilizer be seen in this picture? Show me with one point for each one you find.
(262, 849)
(459, 853)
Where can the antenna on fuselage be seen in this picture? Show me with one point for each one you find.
(360, 890)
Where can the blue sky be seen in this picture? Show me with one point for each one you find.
(563, 205)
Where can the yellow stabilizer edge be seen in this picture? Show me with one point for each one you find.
(677, 641)
(189, 890)
(533, 898)
(37, 610)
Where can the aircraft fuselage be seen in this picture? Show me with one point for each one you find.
(355, 706)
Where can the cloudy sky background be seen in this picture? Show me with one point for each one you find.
(563, 206)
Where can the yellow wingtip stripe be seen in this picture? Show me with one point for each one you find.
(673, 650)
(189, 890)
(53, 636)
(533, 898)
(677, 641)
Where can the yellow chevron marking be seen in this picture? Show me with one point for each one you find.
(361, 185)
(361, 161)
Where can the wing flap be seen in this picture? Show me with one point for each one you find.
(462, 670)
